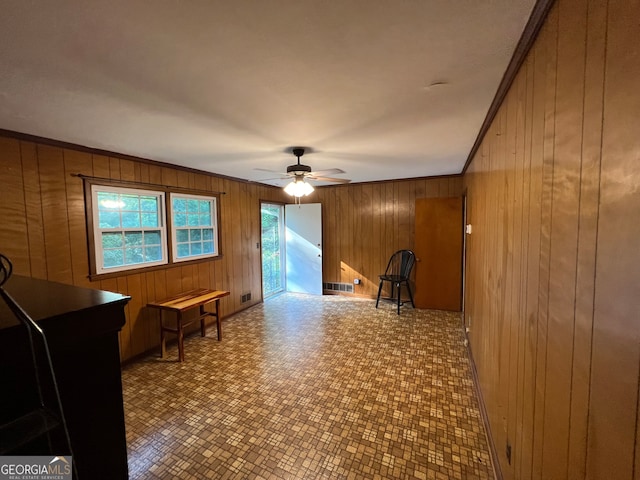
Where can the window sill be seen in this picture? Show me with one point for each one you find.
(95, 277)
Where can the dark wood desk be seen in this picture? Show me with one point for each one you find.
(182, 303)
(81, 326)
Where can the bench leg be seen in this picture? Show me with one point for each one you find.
(203, 328)
(180, 338)
(163, 339)
(218, 323)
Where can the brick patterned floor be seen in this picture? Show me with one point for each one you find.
(306, 387)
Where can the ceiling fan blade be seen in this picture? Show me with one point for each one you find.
(329, 179)
(270, 171)
(330, 171)
(270, 179)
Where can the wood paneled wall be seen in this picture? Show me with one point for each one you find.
(43, 230)
(363, 224)
(553, 266)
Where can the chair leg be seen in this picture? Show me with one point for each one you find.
(379, 291)
(410, 295)
(399, 295)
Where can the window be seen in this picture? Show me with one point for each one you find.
(128, 228)
(194, 231)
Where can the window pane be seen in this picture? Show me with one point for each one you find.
(131, 202)
(152, 238)
(192, 206)
(132, 239)
(108, 201)
(182, 235)
(194, 220)
(148, 204)
(113, 258)
(133, 255)
(207, 234)
(152, 254)
(111, 240)
(180, 220)
(179, 205)
(183, 250)
(196, 234)
(207, 247)
(109, 219)
(150, 220)
(196, 248)
(130, 219)
(205, 206)
(205, 220)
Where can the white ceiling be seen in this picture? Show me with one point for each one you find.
(230, 86)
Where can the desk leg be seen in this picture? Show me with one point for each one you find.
(180, 338)
(218, 322)
(163, 338)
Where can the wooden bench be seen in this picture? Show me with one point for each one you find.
(180, 304)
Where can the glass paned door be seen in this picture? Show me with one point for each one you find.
(273, 255)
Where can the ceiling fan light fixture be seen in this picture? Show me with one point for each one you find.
(298, 188)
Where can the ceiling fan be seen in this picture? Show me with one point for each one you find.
(299, 172)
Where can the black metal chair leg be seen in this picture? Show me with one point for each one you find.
(410, 295)
(399, 296)
(379, 291)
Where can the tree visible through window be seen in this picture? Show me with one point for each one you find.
(272, 223)
(129, 228)
(193, 227)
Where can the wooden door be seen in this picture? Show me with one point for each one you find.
(303, 227)
(438, 249)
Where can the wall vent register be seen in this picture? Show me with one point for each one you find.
(338, 287)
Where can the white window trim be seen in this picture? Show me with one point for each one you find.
(214, 226)
(97, 231)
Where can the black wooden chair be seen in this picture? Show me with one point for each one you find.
(398, 272)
